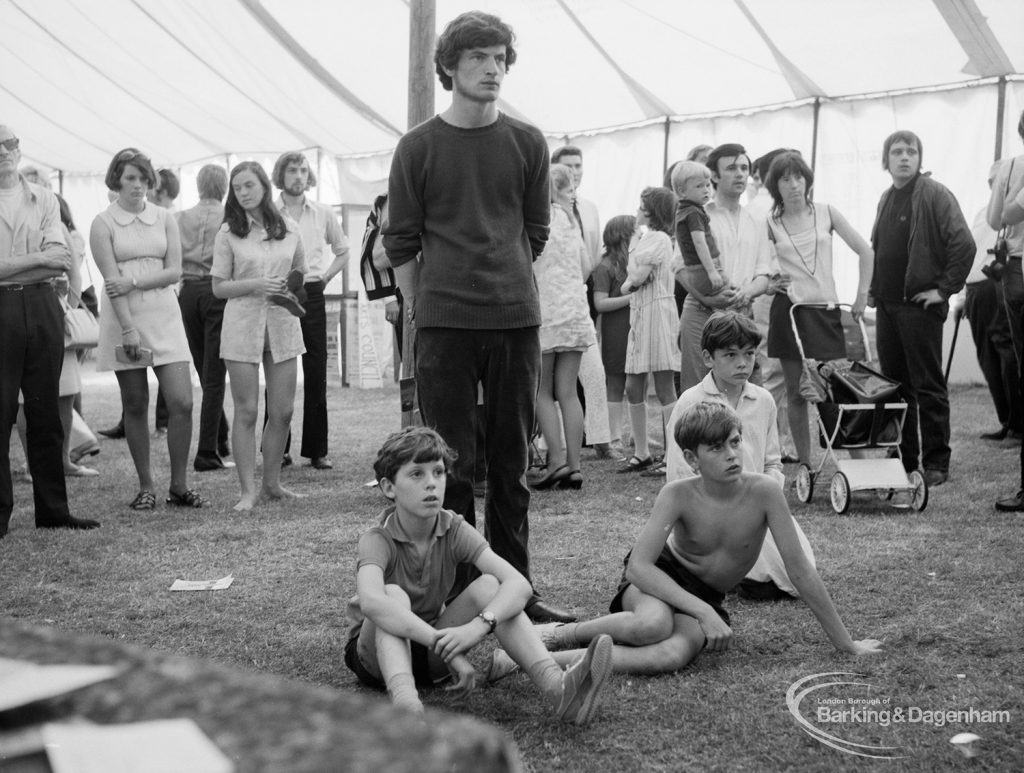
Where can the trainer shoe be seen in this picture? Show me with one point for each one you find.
(582, 682)
(501, 666)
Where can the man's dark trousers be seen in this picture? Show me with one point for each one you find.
(993, 342)
(203, 315)
(31, 356)
(910, 351)
(449, 365)
(314, 374)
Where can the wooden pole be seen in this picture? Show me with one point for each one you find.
(422, 35)
(1000, 116)
(814, 133)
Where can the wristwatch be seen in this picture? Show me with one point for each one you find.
(490, 619)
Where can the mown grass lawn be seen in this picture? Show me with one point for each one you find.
(941, 589)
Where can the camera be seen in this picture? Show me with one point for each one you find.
(1000, 251)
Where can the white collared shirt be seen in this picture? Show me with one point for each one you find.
(317, 226)
(757, 411)
(742, 242)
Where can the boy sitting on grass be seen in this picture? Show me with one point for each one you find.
(703, 536)
(729, 343)
(404, 634)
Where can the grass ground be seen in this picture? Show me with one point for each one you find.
(941, 589)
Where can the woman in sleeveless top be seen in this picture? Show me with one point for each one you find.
(801, 234)
(136, 247)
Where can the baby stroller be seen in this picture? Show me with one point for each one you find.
(859, 412)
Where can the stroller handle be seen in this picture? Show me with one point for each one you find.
(829, 307)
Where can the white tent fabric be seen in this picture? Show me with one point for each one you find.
(634, 83)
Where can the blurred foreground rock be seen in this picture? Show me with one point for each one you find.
(262, 722)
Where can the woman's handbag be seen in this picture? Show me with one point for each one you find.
(81, 330)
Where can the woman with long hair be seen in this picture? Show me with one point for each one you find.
(566, 330)
(257, 258)
(652, 346)
(137, 249)
(613, 306)
(801, 230)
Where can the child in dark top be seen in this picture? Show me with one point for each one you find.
(613, 306)
(405, 571)
(691, 182)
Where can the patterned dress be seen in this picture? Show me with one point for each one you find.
(652, 345)
(565, 317)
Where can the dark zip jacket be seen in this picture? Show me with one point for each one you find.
(941, 249)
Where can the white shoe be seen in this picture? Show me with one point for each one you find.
(501, 666)
(582, 682)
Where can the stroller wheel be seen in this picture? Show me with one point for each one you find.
(804, 483)
(839, 493)
(919, 492)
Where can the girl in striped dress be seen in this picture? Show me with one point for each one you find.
(652, 346)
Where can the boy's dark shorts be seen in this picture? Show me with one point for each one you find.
(420, 664)
(682, 577)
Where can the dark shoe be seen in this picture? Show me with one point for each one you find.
(787, 459)
(935, 477)
(84, 450)
(208, 463)
(71, 523)
(635, 464)
(187, 498)
(999, 434)
(657, 471)
(286, 460)
(1014, 504)
(144, 500)
(321, 463)
(1012, 440)
(547, 481)
(541, 612)
(114, 433)
(574, 480)
(287, 300)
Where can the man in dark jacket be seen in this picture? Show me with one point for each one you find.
(923, 252)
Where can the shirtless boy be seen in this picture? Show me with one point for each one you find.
(703, 536)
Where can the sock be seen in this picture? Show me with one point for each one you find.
(547, 675)
(615, 420)
(667, 431)
(638, 418)
(402, 689)
(565, 635)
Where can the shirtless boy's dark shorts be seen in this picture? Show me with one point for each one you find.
(683, 577)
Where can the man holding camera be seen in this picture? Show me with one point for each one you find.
(923, 252)
(1006, 211)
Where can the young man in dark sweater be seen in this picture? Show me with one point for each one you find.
(468, 193)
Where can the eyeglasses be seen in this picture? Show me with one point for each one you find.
(11, 144)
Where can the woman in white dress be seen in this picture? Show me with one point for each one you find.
(253, 255)
(566, 331)
(137, 249)
(652, 346)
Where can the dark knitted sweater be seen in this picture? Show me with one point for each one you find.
(475, 203)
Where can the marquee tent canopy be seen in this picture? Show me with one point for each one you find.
(191, 80)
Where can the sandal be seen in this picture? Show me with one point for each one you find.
(574, 480)
(635, 464)
(188, 498)
(657, 471)
(144, 500)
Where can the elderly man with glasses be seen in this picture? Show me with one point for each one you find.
(32, 253)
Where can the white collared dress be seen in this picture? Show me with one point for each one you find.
(140, 248)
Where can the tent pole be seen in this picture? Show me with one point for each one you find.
(1000, 116)
(422, 26)
(664, 151)
(319, 169)
(60, 181)
(814, 134)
